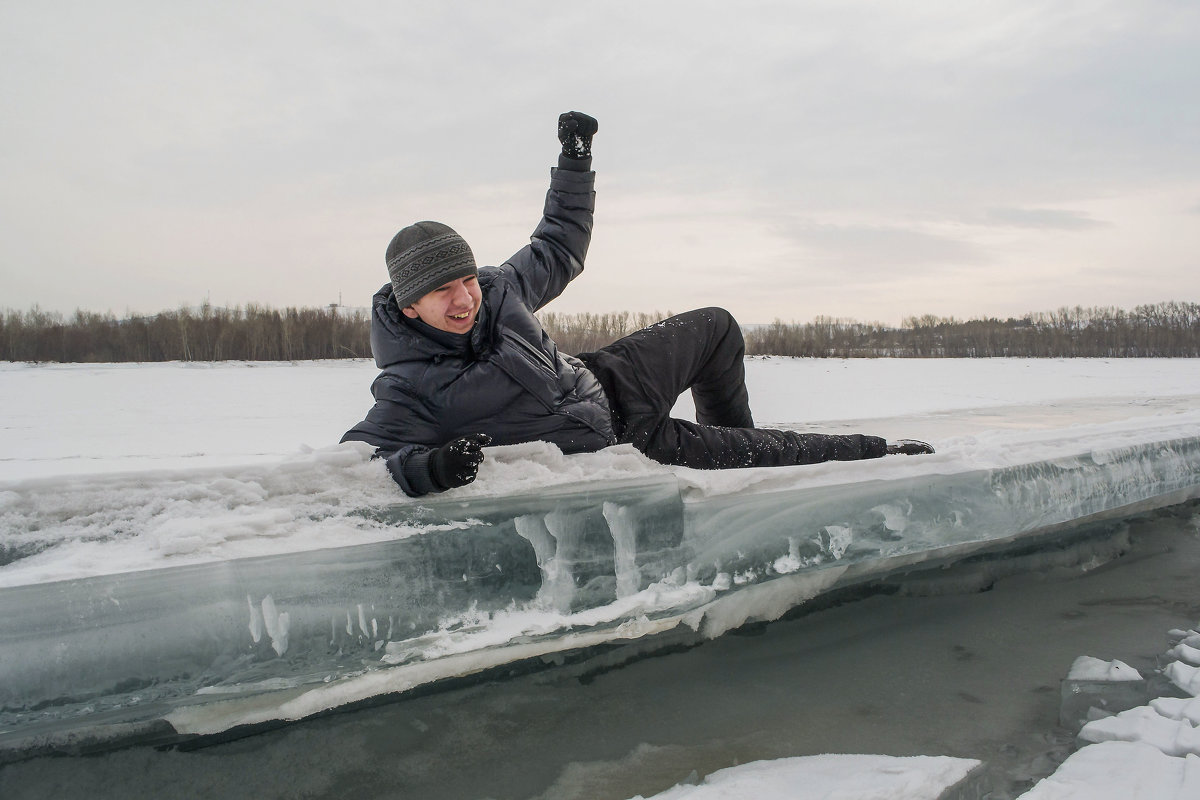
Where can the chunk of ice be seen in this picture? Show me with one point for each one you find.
(1087, 668)
(1144, 724)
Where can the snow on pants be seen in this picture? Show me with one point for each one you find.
(644, 373)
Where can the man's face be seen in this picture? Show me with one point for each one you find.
(451, 307)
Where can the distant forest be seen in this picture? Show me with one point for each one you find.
(1163, 330)
(260, 333)
(206, 333)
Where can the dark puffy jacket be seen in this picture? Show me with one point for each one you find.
(506, 378)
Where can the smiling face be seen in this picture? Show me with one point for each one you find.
(451, 307)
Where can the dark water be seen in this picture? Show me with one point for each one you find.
(946, 672)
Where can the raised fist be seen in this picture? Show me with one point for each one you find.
(575, 131)
(455, 463)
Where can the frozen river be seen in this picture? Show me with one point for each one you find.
(112, 468)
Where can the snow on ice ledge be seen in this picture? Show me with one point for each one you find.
(534, 562)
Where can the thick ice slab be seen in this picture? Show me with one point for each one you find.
(494, 582)
(128, 648)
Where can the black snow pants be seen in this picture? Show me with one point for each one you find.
(644, 373)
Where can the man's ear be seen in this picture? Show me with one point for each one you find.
(409, 312)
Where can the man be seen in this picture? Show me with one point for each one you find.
(466, 364)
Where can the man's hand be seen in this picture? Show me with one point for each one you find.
(455, 463)
(908, 447)
(575, 131)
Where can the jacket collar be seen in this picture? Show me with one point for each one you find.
(396, 338)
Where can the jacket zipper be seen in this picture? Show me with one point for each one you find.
(544, 360)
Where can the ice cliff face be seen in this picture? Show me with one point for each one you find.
(494, 580)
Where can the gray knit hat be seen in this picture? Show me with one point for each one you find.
(423, 257)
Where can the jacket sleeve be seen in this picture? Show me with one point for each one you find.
(554, 256)
(407, 462)
(818, 447)
(409, 467)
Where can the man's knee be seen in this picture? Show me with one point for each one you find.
(725, 327)
(718, 315)
(725, 315)
(716, 319)
(726, 320)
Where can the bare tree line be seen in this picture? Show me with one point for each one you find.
(206, 333)
(260, 333)
(1161, 330)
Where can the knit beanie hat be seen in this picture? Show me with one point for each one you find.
(423, 257)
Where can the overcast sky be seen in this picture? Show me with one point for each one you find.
(786, 160)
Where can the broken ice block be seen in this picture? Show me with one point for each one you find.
(1087, 668)
(1120, 769)
(1096, 688)
(1181, 708)
(1184, 676)
(1187, 654)
(1144, 724)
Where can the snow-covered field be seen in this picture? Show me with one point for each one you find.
(110, 468)
(86, 418)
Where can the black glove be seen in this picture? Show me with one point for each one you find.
(455, 463)
(908, 447)
(575, 131)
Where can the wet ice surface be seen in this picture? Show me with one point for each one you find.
(289, 500)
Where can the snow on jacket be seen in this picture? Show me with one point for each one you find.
(506, 377)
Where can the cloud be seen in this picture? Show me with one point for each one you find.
(878, 250)
(1045, 218)
(850, 141)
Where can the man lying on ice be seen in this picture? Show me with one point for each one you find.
(466, 364)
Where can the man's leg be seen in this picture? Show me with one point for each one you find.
(687, 444)
(644, 373)
(701, 350)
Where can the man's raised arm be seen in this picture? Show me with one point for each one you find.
(555, 254)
